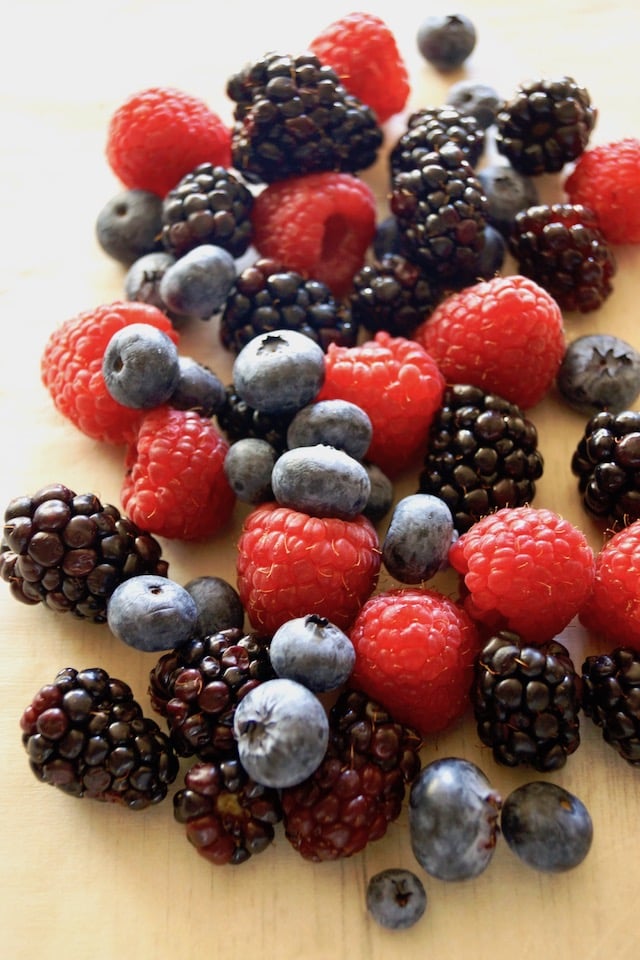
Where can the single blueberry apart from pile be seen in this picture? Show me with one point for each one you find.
(549, 828)
(396, 898)
(446, 41)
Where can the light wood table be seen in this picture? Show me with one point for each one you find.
(85, 880)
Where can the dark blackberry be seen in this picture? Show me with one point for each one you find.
(562, 248)
(442, 214)
(482, 454)
(428, 129)
(607, 464)
(239, 420)
(86, 735)
(70, 551)
(392, 294)
(197, 686)
(209, 205)
(359, 788)
(526, 702)
(611, 698)
(546, 124)
(267, 296)
(293, 116)
(228, 816)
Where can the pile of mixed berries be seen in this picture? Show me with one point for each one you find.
(364, 347)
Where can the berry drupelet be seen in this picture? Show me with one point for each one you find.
(239, 420)
(611, 699)
(392, 294)
(607, 464)
(429, 129)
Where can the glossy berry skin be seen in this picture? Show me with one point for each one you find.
(282, 731)
(606, 461)
(396, 898)
(605, 179)
(416, 544)
(141, 366)
(453, 814)
(612, 610)
(198, 283)
(279, 372)
(128, 224)
(312, 651)
(321, 481)
(152, 613)
(446, 41)
(217, 602)
(546, 826)
(610, 686)
(248, 467)
(599, 371)
(336, 423)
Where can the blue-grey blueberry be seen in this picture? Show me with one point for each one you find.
(198, 283)
(599, 371)
(313, 651)
(152, 613)
(218, 603)
(248, 466)
(476, 99)
(417, 541)
(396, 898)
(336, 423)
(140, 366)
(321, 481)
(129, 225)
(382, 493)
(279, 372)
(198, 388)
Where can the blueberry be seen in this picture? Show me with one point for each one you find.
(129, 225)
(198, 388)
(453, 813)
(381, 495)
(198, 283)
(387, 238)
(446, 41)
(493, 253)
(218, 604)
(140, 366)
(418, 538)
(475, 99)
(507, 192)
(321, 481)
(248, 466)
(312, 651)
(396, 898)
(282, 731)
(599, 372)
(337, 423)
(549, 828)
(142, 280)
(152, 613)
(279, 372)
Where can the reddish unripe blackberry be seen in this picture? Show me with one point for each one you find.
(607, 464)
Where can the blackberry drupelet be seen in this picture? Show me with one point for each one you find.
(392, 294)
(428, 129)
(607, 464)
(86, 735)
(197, 686)
(228, 816)
(359, 787)
(211, 204)
(70, 551)
(546, 124)
(562, 248)
(293, 116)
(611, 699)
(267, 296)
(526, 703)
(238, 420)
(482, 454)
(441, 212)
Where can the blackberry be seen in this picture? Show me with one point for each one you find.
(228, 816)
(607, 464)
(546, 124)
(526, 703)
(293, 116)
(482, 454)
(442, 214)
(238, 420)
(267, 296)
(428, 129)
(561, 247)
(86, 735)
(359, 787)
(392, 294)
(70, 552)
(196, 688)
(209, 205)
(611, 699)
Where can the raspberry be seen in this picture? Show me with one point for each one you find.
(415, 652)
(612, 610)
(160, 134)
(606, 178)
(175, 476)
(319, 224)
(524, 569)
(290, 564)
(408, 378)
(504, 335)
(363, 51)
(71, 369)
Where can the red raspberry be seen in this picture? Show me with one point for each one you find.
(71, 369)
(160, 134)
(524, 569)
(398, 384)
(415, 653)
(175, 476)
(503, 335)
(363, 51)
(319, 224)
(612, 610)
(290, 564)
(607, 179)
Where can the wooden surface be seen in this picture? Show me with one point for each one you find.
(86, 880)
